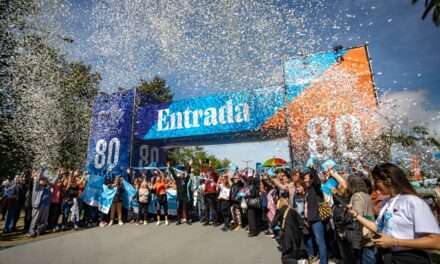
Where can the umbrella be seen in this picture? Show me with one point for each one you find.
(274, 162)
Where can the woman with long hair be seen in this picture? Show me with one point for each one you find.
(313, 198)
(405, 226)
(252, 210)
(143, 198)
(117, 201)
(223, 200)
(160, 188)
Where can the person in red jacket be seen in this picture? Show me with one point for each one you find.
(210, 193)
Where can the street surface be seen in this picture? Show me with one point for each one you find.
(129, 243)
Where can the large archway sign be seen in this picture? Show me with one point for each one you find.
(328, 99)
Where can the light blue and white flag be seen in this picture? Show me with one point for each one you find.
(106, 199)
(92, 193)
(128, 194)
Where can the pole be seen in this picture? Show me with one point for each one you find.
(133, 123)
(287, 119)
(90, 136)
(370, 66)
(247, 163)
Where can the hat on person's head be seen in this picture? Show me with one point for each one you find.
(328, 164)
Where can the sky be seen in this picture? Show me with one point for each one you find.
(209, 47)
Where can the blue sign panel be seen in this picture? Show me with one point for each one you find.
(148, 154)
(219, 114)
(110, 134)
(300, 72)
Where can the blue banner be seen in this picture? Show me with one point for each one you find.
(217, 114)
(110, 134)
(92, 192)
(148, 153)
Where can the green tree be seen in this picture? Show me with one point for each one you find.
(197, 154)
(45, 101)
(434, 6)
(154, 91)
(14, 156)
(79, 86)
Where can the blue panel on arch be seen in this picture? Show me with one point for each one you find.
(111, 125)
(301, 71)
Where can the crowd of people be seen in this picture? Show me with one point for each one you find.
(319, 214)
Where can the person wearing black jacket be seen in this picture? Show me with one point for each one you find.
(252, 212)
(28, 203)
(21, 199)
(314, 197)
(184, 195)
(292, 245)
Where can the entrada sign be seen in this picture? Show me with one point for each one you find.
(211, 116)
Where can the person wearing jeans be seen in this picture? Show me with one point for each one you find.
(317, 229)
(40, 204)
(313, 198)
(160, 188)
(71, 193)
(11, 194)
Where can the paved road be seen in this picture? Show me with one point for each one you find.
(194, 244)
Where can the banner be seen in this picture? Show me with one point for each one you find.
(210, 115)
(110, 134)
(106, 199)
(92, 192)
(331, 106)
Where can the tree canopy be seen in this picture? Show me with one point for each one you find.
(184, 155)
(155, 90)
(431, 6)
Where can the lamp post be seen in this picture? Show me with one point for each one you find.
(247, 162)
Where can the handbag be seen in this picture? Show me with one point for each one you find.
(324, 211)
(253, 203)
(243, 204)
